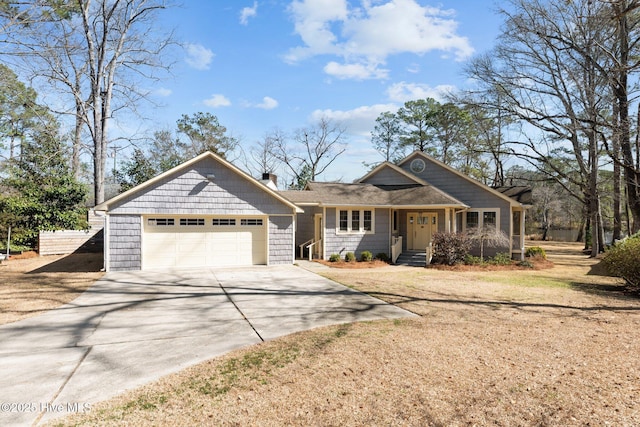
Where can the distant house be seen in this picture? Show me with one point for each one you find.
(207, 212)
(397, 208)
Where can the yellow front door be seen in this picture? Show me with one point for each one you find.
(420, 229)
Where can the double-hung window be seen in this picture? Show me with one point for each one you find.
(355, 221)
(481, 218)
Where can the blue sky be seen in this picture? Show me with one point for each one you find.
(262, 64)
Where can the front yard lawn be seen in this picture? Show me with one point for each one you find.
(34, 285)
(539, 347)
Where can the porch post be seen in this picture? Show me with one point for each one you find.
(522, 228)
(447, 220)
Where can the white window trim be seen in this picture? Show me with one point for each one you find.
(481, 217)
(361, 229)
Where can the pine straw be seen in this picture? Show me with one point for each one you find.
(546, 347)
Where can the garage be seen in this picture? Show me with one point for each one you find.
(203, 241)
(204, 212)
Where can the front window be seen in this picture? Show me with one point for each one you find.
(481, 218)
(367, 221)
(355, 221)
(489, 219)
(344, 220)
(472, 220)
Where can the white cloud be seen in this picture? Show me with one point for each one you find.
(359, 121)
(198, 56)
(365, 36)
(248, 12)
(313, 23)
(217, 100)
(355, 71)
(267, 103)
(403, 92)
(162, 92)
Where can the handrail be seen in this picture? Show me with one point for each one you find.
(302, 246)
(396, 248)
(311, 246)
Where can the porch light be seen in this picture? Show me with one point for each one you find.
(211, 177)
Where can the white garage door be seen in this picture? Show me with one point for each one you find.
(203, 241)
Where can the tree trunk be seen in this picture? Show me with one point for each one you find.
(617, 220)
(632, 180)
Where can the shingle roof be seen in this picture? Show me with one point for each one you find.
(519, 193)
(333, 193)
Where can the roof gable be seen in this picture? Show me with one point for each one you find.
(389, 174)
(183, 168)
(459, 174)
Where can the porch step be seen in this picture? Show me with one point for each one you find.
(412, 258)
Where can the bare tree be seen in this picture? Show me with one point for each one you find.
(488, 237)
(261, 155)
(97, 52)
(547, 69)
(312, 151)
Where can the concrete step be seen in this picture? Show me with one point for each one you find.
(412, 259)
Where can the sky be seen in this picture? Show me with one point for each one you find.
(258, 65)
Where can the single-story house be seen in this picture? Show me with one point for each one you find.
(397, 208)
(207, 212)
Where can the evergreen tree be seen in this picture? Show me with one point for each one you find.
(39, 191)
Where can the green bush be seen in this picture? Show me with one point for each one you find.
(350, 257)
(383, 257)
(525, 263)
(366, 256)
(334, 258)
(623, 260)
(501, 258)
(450, 248)
(472, 260)
(536, 251)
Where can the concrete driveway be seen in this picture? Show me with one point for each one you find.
(132, 328)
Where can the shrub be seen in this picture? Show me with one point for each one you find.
(622, 261)
(535, 251)
(334, 258)
(366, 256)
(350, 257)
(501, 258)
(525, 263)
(383, 257)
(472, 260)
(450, 248)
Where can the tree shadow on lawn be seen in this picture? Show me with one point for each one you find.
(73, 263)
(405, 301)
(617, 291)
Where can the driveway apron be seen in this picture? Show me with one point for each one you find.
(131, 328)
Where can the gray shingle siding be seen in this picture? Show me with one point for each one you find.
(124, 242)
(388, 176)
(189, 192)
(357, 243)
(476, 196)
(281, 240)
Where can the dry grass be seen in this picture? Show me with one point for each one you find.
(545, 347)
(31, 285)
(376, 263)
